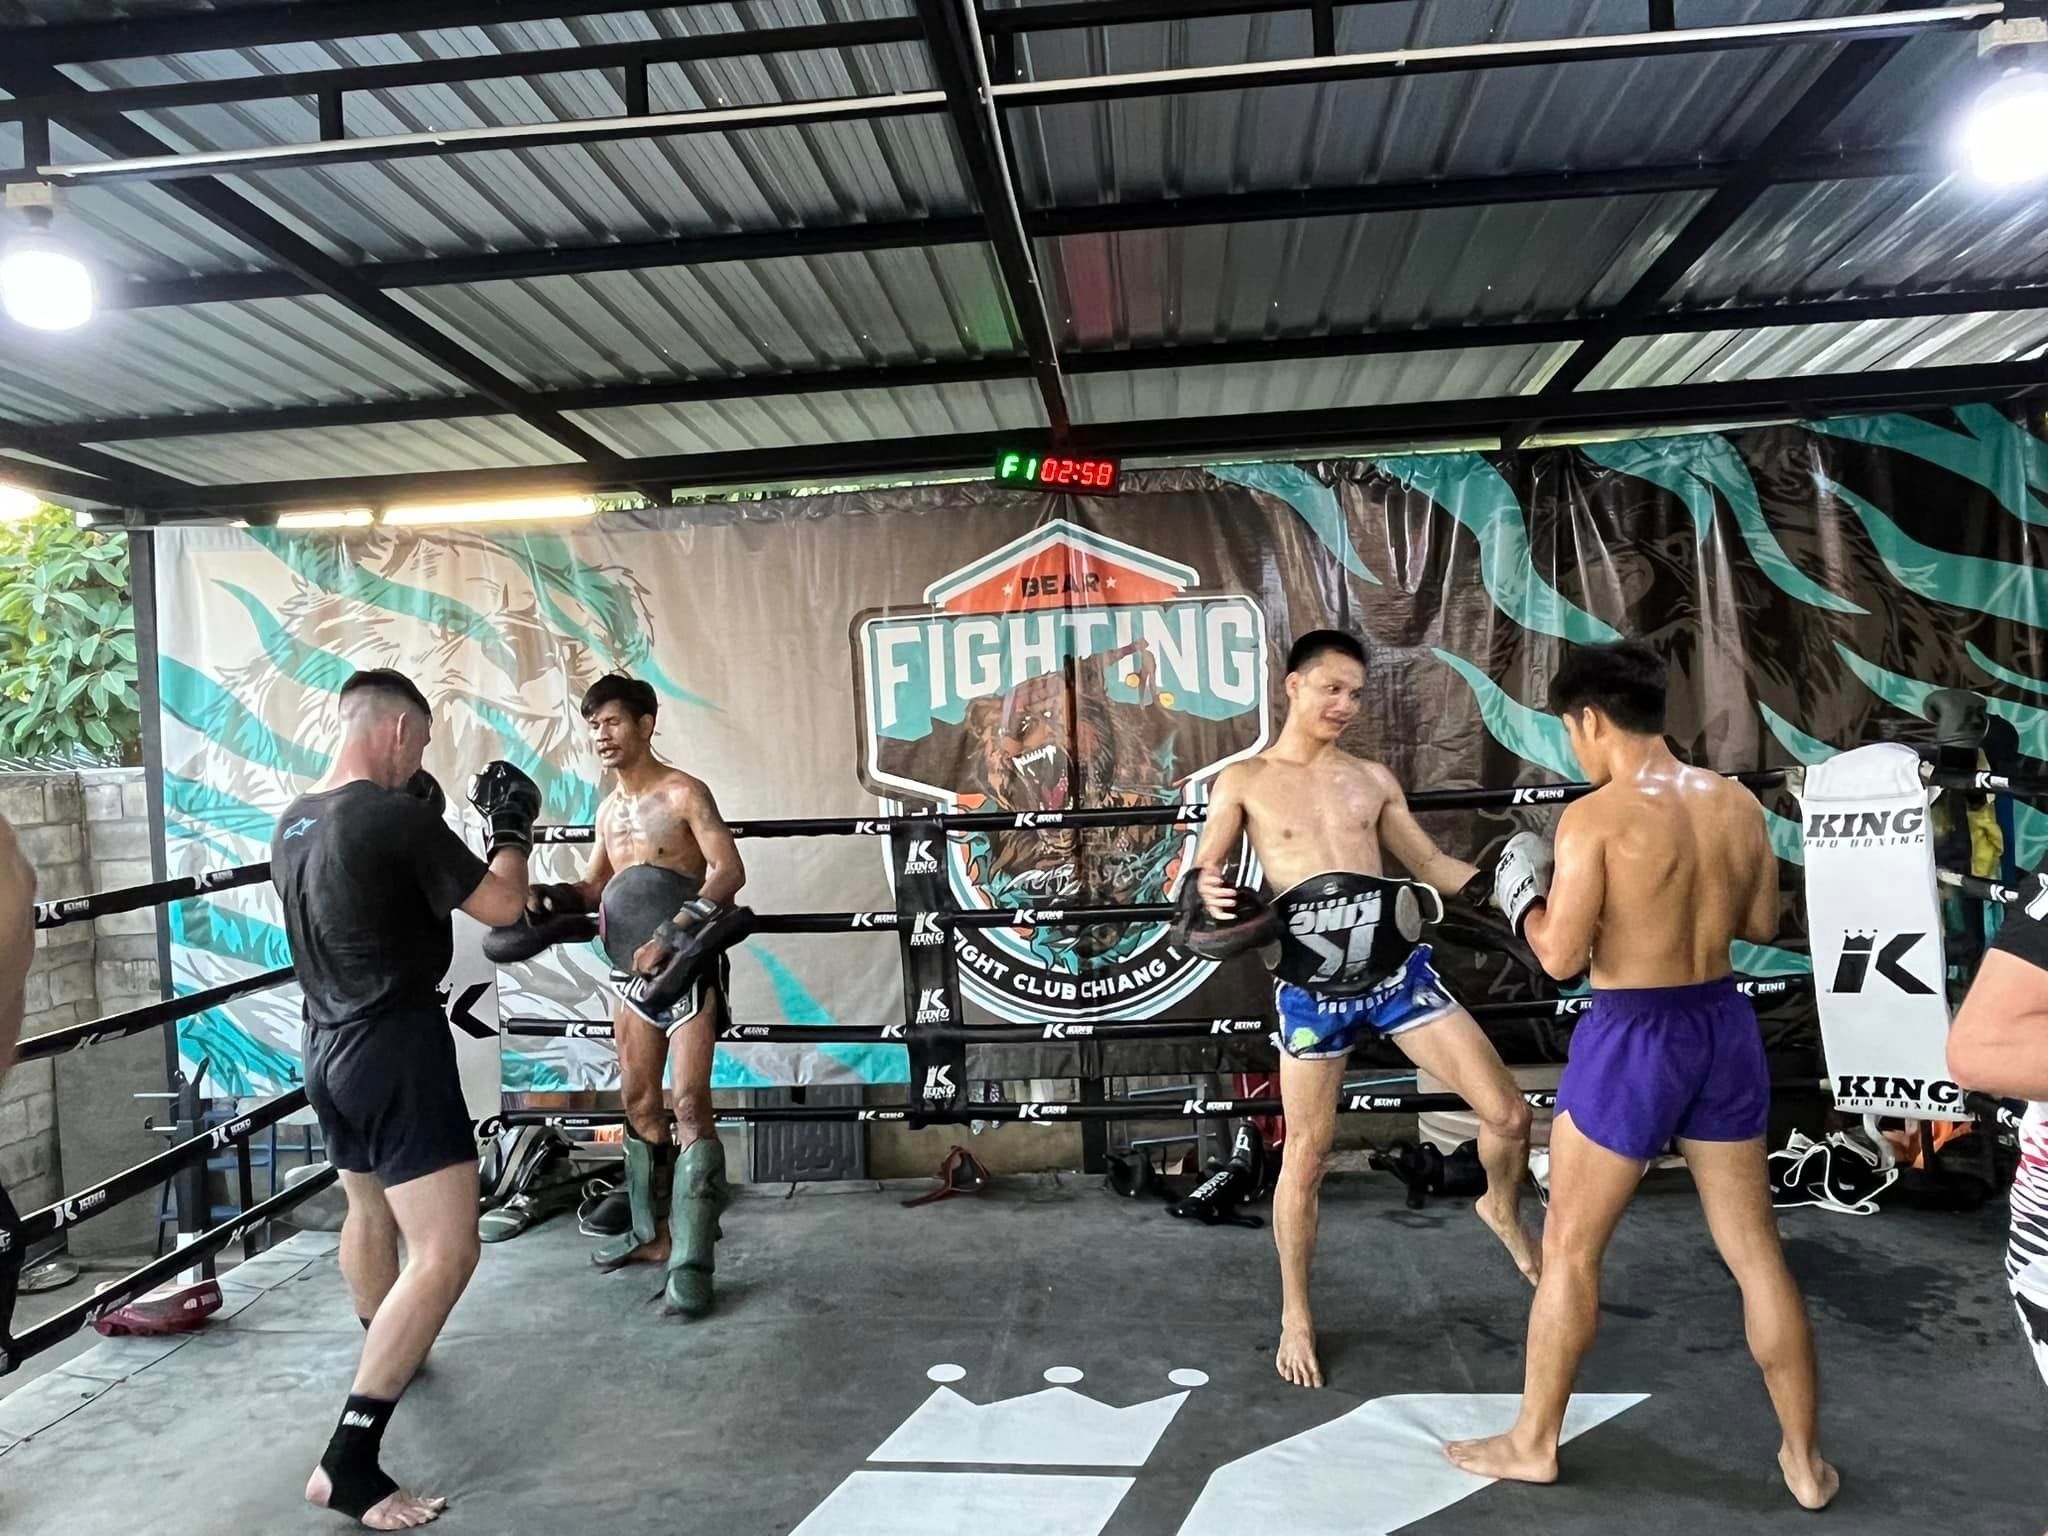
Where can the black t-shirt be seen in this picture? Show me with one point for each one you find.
(368, 876)
(2024, 932)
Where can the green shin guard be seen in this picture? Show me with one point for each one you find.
(650, 1177)
(701, 1194)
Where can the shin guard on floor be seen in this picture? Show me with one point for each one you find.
(701, 1194)
(650, 1176)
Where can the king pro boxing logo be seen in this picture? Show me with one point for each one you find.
(1065, 671)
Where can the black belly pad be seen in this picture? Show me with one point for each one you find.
(636, 901)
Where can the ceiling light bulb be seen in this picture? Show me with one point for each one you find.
(42, 285)
(2005, 135)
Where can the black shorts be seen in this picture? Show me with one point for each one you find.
(389, 1097)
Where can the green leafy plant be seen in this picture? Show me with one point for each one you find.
(67, 643)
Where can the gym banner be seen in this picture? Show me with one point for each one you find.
(974, 647)
(1875, 922)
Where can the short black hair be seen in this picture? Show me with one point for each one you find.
(1623, 679)
(388, 680)
(616, 687)
(1320, 642)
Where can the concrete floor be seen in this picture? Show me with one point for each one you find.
(560, 1400)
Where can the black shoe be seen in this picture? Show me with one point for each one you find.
(606, 1211)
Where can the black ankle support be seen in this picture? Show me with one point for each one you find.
(359, 1484)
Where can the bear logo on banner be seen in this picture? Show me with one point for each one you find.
(1064, 672)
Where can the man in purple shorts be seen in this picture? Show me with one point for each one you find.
(1656, 872)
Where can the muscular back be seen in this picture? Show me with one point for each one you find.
(1687, 869)
(654, 826)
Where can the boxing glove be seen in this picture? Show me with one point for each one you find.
(556, 898)
(424, 786)
(1521, 878)
(509, 802)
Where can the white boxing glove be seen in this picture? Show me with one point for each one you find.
(1521, 877)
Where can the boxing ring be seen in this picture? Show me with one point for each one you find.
(1047, 1357)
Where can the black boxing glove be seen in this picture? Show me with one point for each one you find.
(424, 786)
(556, 898)
(509, 802)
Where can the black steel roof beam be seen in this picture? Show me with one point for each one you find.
(568, 260)
(115, 101)
(954, 45)
(1334, 431)
(303, 21)
(377, 149)
(1406, 63)
(1198, 354)
(1075, 15)
(307, 21)
(1048, 223)
(1839, 84)
(119, 475)
(64, 484)
(593, 398)
(230, 211)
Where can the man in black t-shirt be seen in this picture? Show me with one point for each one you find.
(368, 872)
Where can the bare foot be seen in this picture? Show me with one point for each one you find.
(655, 1252)
(1812, 1481)
(1501, 1456)
(399, 1511)
(1504, 1220)
(1296, 1359)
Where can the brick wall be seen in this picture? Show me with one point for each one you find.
(83, 832)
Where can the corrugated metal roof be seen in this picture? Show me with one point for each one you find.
(841, 417)
(1142, 288)
(1875, 236)
(247, 356)
(473, 442)
(1626, 112)
(897, 306)
(1850, 347)
(1234, 390)
(633, 190)
(1386, 272)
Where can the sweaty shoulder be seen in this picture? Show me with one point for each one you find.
(1238, 777)
(1377, 773)
(684, 787)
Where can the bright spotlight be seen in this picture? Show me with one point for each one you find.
(42, 285)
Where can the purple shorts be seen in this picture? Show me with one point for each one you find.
(1651, 1063)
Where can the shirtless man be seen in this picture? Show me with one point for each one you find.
(665, 869)
(1657, 871)
(1318, 819)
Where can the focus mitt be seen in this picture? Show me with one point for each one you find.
(684, 950)
(1251, 924)
(537, 931)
